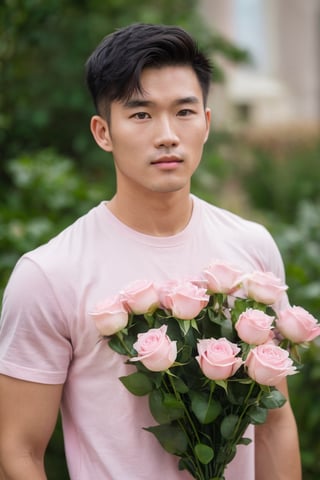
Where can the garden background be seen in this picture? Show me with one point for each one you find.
(51, 170)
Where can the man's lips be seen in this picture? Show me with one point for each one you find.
(167, 161)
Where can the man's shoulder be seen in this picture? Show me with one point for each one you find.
(227, 219)
(241, 239)
(69, 245)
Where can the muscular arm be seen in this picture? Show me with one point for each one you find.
(277, 446)
(28, 413)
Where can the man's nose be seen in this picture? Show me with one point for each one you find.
(166, 135)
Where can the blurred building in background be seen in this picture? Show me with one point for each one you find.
(281, 85)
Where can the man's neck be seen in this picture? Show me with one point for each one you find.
(160, 215)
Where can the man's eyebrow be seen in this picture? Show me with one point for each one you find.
(137, 102)
(190, 100)
(140, 102)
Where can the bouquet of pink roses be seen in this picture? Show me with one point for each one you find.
(209, 354)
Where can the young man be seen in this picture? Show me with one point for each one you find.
(150, 85)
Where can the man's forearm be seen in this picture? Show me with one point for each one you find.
(22, 468)
(277, 448)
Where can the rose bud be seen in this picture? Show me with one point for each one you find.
(268, 364)
(141, 297)
(263, 287)
(222, 277)
(254, 326)
(110, 316)
(298, 325)
(217, 358)
(155, 349)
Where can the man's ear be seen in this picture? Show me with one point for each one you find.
(101, 133)
(208, 122)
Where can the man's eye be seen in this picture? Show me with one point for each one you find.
(141, 115)
(185, 112)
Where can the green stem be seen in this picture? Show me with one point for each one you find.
(178, 396)
(246, 400)
(120, 337)
(189, 419)
(235, 438)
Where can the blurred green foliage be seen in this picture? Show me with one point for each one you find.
(300, 245)
(278, 161)
(51, 171)
(46, 194)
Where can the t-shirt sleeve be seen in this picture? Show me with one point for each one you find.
(274, 263)
(273, 255)
(34, 340)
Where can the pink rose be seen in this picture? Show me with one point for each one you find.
(298, 325)
(155, 349)
(141, 297)
(164, 293)
(110, 316)
(222, 277)
(268, 364)
(263, 287)
(254, 326)
(186, 300)
(217, 358)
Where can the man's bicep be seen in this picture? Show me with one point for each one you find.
(28, 414)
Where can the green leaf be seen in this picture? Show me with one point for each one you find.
(185, 353)
(240, 305)
(244, 441)
(180, 385)
(237, 393)
(227, 329)
(117, 346)
(223, 384)
(215, 317)
(185, 326)
(225, 454)
(228, 426)
(171, 401)
(149, 319)
(171, 437)
(204, 453)
(295, 354)
(156, 378)
(259, 306)
(273, 399)
(205, 410)
(137, 383)
(243, 381)
(257, 415)
(165, 408)
(194, 325)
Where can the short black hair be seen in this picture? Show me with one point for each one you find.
(114, 68)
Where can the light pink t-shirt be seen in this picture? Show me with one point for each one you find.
(47, 336)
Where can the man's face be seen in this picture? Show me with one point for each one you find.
(157, 136)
